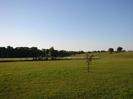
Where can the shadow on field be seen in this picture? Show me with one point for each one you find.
(58, 59)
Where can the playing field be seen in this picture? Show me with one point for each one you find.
(110, 77)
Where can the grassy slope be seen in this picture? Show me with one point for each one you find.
(110, 78)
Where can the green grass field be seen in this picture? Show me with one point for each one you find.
(110, 77)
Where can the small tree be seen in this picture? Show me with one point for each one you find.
(88, 60)
(111, 50)
(119, 49)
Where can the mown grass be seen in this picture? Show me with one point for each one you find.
(110, 77)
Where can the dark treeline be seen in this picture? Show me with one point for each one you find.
(34, 52)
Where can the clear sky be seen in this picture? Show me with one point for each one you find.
(67, 24)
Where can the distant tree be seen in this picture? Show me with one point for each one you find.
(119, 49)
(124, 51)
(43, 53)
(9, 51)
(51, 53)
(46, 54)
(34, 52)
(111, 50)
(2, 52)
(80, 52)
(102, 51)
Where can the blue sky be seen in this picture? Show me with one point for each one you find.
(67, 24)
